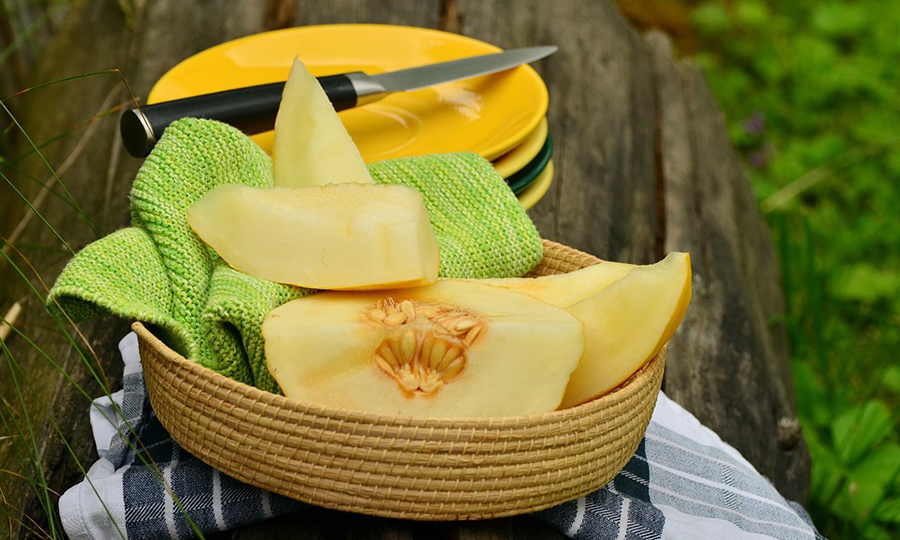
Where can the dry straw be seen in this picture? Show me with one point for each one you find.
(402, 467)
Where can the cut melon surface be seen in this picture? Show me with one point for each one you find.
(338, 236)
(564, 290)
(312, 146)
(627, 323)
(451, 349)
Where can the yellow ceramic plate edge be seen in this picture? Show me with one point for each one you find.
(539, 188)
(513, 161)
(488, 151)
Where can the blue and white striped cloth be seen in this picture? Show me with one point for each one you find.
(682, 483)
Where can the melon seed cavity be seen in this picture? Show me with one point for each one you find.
(425, 344)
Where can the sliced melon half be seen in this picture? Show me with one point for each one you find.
(454, 348)
(312, 146)
(337, 236)
(627, 323)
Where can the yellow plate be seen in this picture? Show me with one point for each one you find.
(488, 115)
(513, 161)
(538, 188)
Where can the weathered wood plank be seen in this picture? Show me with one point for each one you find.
(601, 111)
(422, 13)
(728, 363)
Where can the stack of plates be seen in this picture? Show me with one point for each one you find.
(500, 117)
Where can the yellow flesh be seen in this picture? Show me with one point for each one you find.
(339, 236)
(321, 349)
(312, 146)
(564, 290)
(627, 323)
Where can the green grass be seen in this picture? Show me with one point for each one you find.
(812, 94)
(25, 415)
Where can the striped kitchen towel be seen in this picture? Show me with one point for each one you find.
(682, 483)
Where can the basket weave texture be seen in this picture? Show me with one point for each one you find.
(402, 467)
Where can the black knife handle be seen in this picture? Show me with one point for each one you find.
(252, 110)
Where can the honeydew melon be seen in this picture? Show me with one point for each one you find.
(454, 348)
(627, 323)
(312, 146)
(337, 236)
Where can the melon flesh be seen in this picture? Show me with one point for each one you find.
(455, 348)
(338, 236)
(564, 290)
(627, 323)
(312, 146)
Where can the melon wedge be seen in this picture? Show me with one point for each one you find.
(312, 146)
(338, 236)
(627, 323)
(455, 348)
(564, 290)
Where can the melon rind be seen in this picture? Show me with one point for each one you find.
(627, 323)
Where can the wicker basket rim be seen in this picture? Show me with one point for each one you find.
(257, 396)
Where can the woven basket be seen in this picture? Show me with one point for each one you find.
(400, 467)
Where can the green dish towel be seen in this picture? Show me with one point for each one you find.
(159, 272)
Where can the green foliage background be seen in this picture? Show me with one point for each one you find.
(811, 90)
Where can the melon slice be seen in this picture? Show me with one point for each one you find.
(564, 290)
(338, 236)
(312, 146)
(627, 323)
(455, 348)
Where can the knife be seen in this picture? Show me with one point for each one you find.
(253, 109)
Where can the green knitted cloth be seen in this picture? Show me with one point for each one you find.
(159, 272)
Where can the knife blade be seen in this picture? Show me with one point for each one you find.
(253, 109)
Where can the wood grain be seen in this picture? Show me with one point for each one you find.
(603, 199)
(730, 363)
(643, 166)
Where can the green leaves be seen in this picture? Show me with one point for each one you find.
(865, 282)
(825, 164)
(839, 19)
(711, 18)
(857, 431)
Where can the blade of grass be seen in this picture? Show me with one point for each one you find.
(102, 379)
(36, 212)
(35, 529)
(6, 53)
(815, 176)
(30, 445)
(53, 420)
(65, 79)
(12, 169)
(152, 466)
(52, 171)
(70, 160)
(814, 285)
(144, 456)
(59, 136)
(9, 320)
(6, 505)
(65, 441)
(55, 175)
